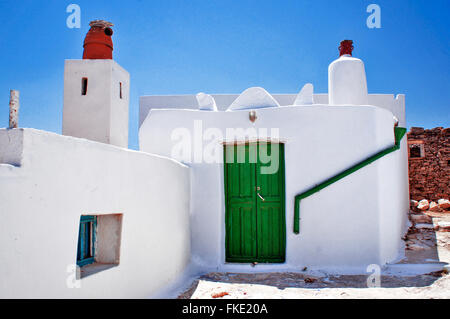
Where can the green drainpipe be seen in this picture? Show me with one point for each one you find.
(399, 134)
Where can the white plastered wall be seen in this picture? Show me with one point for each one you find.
(109, 237)
(100, 115)
(341, 226)
(54, 180)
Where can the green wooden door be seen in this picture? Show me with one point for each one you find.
(255, 198)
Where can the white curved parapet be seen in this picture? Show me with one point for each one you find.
(305, 96)
(253, 98)
(391, 102)
(206, 102)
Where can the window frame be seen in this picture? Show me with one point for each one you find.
(84, 259)
(84, 86)
(420, 145)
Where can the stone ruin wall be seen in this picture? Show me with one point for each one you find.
(429, 163)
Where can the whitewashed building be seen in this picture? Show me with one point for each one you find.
(322, 183)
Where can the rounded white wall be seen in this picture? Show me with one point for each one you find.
(56, 180)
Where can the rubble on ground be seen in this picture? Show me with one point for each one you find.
(421, 235)
(444, 204)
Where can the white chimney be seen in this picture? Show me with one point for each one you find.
(347, 84)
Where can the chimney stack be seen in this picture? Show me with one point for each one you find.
(347, 83)
(97, 91)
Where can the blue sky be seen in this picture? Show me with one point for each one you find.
(186, 47)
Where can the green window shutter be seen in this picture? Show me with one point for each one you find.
(86, 240)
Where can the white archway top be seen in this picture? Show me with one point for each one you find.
(305, 97)
(253, 98)
(206, 102)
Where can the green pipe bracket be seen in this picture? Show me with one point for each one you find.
(399, 133)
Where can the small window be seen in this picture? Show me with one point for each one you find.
(120, 93)
(416, 149)
(86, 240)
(415, 152)
(99, 238)
(84, 86)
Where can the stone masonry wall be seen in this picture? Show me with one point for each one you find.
(429, 163)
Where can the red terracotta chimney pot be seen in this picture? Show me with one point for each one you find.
(98, 43)
(346, 47)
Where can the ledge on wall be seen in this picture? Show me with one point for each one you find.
(11, 146)
(94, 268)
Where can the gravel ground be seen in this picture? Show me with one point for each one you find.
(424, 245)
(298, 286)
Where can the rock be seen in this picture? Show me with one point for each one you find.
(412, 236)
(444, 203)
(413, 205)
(425, 226)
(429, 243)
(444, 226)
(220, 295)
(420, 218)
(434, 207)
(310, 280)
(417, 130)
(423, 205)
(417, 246)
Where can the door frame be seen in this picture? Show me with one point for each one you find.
(282, 166)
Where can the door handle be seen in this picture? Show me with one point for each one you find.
(262, 198)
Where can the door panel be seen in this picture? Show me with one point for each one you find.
(242, 233)
(255, 214)
(270, 208)
(241, 209)
(270, 235)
